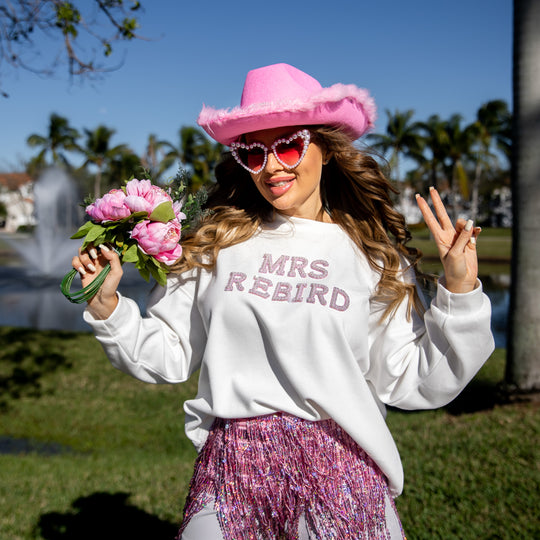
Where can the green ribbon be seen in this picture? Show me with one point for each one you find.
(86, 293)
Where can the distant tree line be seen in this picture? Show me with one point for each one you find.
(105, 165)
(467, 163)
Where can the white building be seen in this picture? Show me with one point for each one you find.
(17, 198)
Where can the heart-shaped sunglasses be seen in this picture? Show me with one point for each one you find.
(289, 151)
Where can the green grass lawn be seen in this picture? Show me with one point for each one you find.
(494, 250)
(493, 244)
(471, 469)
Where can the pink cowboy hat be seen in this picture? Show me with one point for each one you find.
(281, 95)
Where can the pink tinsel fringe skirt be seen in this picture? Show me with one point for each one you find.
(262, 474)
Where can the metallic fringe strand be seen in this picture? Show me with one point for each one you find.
(263, 473)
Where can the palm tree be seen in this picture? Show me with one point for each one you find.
(195, 151)
(205, 163)
(98, 152)
(401, 139)
(460, 142)
(490, 132)
(523, 361)
(153, 157)
(122, 166)
(436, 141)
(60, 136)
(495, 122)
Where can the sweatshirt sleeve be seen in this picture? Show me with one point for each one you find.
(426, 361)
(166, 346)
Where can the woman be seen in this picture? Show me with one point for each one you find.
(296, 299)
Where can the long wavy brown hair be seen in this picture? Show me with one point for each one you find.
(355, 193)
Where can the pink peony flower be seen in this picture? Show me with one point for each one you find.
(111, 207)
(143, 196)
(159, 239)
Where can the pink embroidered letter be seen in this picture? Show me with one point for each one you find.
(276, 268)
(297, 265)
(345, 300)
(282, 292)
(318, 270)
(260, 287)
(235, 278)
(317, 291)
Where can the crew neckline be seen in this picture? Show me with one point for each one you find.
(280, 218)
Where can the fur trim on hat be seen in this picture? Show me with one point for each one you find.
(332, 94)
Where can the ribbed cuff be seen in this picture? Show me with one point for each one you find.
(459, 303)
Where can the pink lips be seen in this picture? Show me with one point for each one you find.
(280, 185)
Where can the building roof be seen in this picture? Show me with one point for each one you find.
(13, 181)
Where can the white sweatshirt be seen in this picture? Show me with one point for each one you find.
(287, 322)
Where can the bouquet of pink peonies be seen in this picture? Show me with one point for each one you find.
(143, 223)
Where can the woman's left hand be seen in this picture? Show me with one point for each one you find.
(456, 245)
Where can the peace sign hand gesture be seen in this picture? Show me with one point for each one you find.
(456, 245)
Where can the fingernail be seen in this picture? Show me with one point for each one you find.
(93, 253)
(81, 271)
(417, 195)
(431, 187)
(473, 240)
(103, 247)
(91, 267)
(469, 225)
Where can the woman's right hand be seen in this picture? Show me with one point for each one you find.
(89, 263)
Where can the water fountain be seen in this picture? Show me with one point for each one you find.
(49, 250)
(30, 287)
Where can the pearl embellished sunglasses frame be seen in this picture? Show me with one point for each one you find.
(289, 151)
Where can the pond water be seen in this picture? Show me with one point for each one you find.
(37, 302)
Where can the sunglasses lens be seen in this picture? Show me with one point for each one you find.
(252, 158)
(290, 152)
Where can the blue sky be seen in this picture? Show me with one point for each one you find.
(428, 55)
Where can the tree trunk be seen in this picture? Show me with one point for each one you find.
(523, 352)
(475, 190)
(97, 183)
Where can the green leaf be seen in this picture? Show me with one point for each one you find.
(144, 273)
(163, 212)
(101, 239)
(83, 230)
(131, 254)
(136, 216)
(142, 259)
(95, 232)
(154, 261)
(159, 275)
